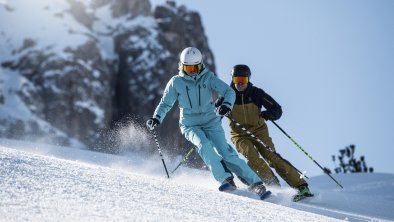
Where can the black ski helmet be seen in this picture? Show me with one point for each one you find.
(241, 70)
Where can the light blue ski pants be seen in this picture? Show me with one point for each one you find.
(219, 156)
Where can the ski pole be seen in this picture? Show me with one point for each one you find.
(161, 155)
(184, 159)
(338, 184)
(261, 142)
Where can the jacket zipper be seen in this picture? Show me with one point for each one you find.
(187, 91)
(243, 107)
(199, 95)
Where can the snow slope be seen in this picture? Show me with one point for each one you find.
(47, 183)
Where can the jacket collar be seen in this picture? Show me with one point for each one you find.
(246, 91)
(193, 78)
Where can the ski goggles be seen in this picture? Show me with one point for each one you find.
(240, 79)
(192, 69)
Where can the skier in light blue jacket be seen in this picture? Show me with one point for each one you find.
(193, 88)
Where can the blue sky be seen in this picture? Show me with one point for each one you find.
(330, 64)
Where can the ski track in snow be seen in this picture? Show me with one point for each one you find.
(38, 187)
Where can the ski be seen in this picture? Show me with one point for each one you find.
(265, 195)
(227, 187)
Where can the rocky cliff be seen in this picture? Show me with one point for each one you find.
(72, 70)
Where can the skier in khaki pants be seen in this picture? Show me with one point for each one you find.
(246, 111)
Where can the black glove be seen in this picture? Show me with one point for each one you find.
(219, 101)
(223, 110)
(267, 115)
(151, 123)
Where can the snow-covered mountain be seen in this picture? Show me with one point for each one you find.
(41, 182)
(72, 69)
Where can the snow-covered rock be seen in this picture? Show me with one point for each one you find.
(72, 69)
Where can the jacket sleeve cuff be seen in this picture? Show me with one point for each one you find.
(228, 104)
(158, 117)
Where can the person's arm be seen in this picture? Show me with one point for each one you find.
(167, 101)
(224, 91)
(273, 109)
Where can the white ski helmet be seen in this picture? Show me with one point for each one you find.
(191, 56)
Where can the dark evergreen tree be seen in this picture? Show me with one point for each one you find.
(348, 163)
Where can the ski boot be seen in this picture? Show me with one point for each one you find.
(228, 185)
(260, 190)
(303, 192)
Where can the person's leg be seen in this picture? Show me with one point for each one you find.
(208, 154)
(215, 133)
(246, 147)
(283, 167)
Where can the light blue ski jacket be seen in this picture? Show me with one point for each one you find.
(194, 96)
